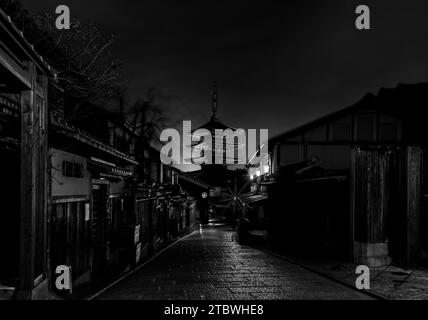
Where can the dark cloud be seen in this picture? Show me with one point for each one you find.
(278, 63)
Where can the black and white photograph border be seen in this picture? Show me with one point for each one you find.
(219, 151)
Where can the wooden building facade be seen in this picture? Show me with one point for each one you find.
(361, 183)
(23, 158)
(77, 191)
(111, 198)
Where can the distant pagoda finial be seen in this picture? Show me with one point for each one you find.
(214, 99)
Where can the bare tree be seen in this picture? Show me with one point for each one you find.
(81, 56)
(119, 99)
(16, 11)
(148, 115)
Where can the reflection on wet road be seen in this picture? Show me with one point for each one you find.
(210, 264)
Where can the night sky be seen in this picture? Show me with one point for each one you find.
(278, 63)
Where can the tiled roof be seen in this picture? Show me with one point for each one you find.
(28, 48)
(78, 134)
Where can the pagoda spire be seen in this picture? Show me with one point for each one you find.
(214, 100)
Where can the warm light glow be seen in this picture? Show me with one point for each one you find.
(258, 173)
(251, 176)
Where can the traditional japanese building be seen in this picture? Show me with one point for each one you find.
(354, 181)
(221, 180)
(223, 148)
(93, 168)
(92, 198)
(24, 190)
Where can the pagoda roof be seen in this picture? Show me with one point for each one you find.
(215, 123)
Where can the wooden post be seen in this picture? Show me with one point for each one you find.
(35, 181)
(413, 202)
(277, 157)
(45, 175)
(371, 206)
(352, 206)
(28, 192)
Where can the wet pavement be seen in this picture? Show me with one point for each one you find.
(211, 264)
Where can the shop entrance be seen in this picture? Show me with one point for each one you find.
(9, 215)
(100, 239)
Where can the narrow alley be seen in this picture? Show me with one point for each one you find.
(211, 264)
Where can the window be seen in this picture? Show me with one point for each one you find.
(319, 134)
(389, 131)
(365, 127)
(72, 169)
(341, 131)
(71, 236)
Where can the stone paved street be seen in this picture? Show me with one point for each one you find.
(211, 264)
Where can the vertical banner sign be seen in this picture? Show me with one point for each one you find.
(87, 212)
(138, 253)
